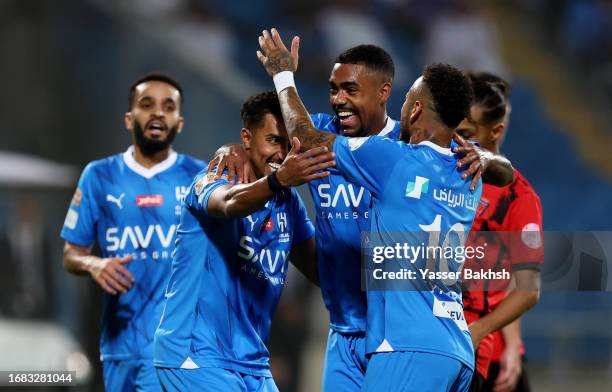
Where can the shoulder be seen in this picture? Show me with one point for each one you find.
(325, 122)
(101, 166)
(522, 188)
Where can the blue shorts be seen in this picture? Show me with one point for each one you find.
(213, 380)
(345, 362)
(130, 375)
(416, 371)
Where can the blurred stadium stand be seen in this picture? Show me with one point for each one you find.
(67, 65)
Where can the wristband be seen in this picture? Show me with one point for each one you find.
(274, 184)
(283, 80)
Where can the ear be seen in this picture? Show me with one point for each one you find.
(497, 133)
(128, 120)
(246, 137)
(416, 112)
(385, 92)
(181, 124)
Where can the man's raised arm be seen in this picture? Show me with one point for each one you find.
(280, 64)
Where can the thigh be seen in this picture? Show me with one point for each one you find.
(344, 368)
(119, 376)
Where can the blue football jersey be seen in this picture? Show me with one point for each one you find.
(131, 210)
(227, 277)
(342, 214)
(418, 197)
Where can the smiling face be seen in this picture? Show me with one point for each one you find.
(358, 97)
(154, 118)
(267, 144)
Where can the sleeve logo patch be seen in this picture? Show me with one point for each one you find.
(530, 235)
(72, 217)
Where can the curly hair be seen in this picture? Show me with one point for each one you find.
(256, 106)
(491, 93)
(451, 93)
(155, 77)
(372, 57)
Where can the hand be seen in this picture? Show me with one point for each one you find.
(298, 169)
(510, 370)
(110, 273)
(476, 158)
(237, 164)
(476, 334)
(274, 54)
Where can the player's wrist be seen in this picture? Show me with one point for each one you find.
(283, 80)
(274, 183)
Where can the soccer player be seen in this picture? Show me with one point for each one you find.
(360, 85)
(515, 209)
(230, 261)
(408, 332)
(129, 204)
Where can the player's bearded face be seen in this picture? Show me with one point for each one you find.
(158, 140)
(354, 97)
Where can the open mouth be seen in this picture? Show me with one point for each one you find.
(348, 118)
(156, 127)
(274, 165)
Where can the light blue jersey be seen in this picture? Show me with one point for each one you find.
(131, 210)
(227, 278)
(418, 196)
(342, 214)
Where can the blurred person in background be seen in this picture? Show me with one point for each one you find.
(515, 209)
(231, 261)
(129, 204)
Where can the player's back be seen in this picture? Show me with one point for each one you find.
(227, 277)
(130, 210)
(419, 199)
(342, 214)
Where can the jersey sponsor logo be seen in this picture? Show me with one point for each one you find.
(72, 217)
(76, 198)
(452, 310)
(271, 262)
(116, 200)
(346, 194)
(252, 221)
(356, 142)
(530, 235)
(149, 200)
(415, 188)
(138, 237)
(269, 225)
(456, 199)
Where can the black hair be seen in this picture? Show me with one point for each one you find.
(256, 106)
(157, 77)
(372, 57)
(491, 93)
(451, 93)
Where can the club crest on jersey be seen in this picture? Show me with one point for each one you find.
(149, 200)
(281, 220)
(181, 192)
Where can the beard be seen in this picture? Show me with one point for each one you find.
(150, 146)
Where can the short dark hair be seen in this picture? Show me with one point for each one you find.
(157, 77)
(372, 57)
(451, 93)
(256, 106)
(491, 92)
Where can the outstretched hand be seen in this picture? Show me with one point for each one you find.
(274, 55)
(299, 168)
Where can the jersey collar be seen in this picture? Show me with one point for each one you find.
(441, 150)
(388, 127)
(128, 158)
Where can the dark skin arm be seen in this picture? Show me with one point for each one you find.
(236, 201)
(304, 258)
(233, 158)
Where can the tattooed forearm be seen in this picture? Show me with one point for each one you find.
(279, 61)
(299, 124)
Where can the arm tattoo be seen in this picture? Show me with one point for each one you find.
(299, 124)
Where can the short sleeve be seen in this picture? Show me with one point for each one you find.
(81, 220)
(367, 161)
(303, 228)
(203, 187)
(524, 224)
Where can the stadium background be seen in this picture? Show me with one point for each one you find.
(66, 67)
